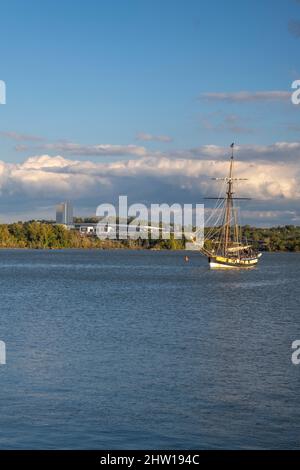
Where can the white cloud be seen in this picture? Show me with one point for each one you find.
(17, 136)
(90, 150)
(279, 151)
(222, 122)
(153, 138)
(247, 96)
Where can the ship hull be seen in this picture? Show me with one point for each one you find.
(220, 262)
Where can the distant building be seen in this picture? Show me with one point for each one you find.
(64, 213)
(87, 229)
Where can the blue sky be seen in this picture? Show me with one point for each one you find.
(127, 72)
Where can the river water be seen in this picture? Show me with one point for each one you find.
(139, 349)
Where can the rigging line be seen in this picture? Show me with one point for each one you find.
(219, 203)
(213, 230)
(216, 229)
(217, 206)
(221, 214)
(220, 228)
(212, 235)
(218, 199)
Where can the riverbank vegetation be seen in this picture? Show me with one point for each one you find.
(45, 235)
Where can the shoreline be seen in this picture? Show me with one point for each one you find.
(120, 248)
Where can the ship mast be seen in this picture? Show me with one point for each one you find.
(228, 236)
(228, 205)
(225, 247)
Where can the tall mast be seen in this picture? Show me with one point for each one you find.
(229, 212)
(228, 204)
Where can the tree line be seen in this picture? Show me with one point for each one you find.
(45, 235)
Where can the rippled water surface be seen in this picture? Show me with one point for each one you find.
(138, 349)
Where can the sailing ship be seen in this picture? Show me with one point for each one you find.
(223, 244)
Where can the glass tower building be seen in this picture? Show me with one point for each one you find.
(64, 213)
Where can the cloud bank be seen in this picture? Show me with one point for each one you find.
(33, 187)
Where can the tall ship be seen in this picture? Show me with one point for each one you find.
(223, 244)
